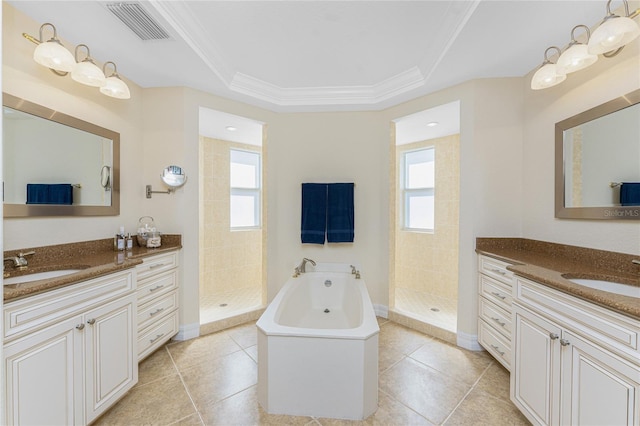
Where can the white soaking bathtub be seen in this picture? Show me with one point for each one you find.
(318, 348)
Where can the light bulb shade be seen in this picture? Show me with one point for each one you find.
(612, 34)
(575, 58)
(86, 72)
(52, 54)
(547, 75)
(116, 88)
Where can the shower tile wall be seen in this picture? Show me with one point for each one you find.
(231, 261)
(428, 262)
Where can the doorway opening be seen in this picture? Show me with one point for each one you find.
(425, 188)
(232, 210)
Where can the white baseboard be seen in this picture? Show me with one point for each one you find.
(187, 332)
(468, 341)
(381, 310)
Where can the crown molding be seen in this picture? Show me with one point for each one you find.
(180, 18)
(328, 95)
(452, 23)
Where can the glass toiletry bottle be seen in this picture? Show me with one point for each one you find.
(121, 239)
(129, 242)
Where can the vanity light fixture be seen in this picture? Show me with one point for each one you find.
(608, 39)
(52, 54)
(548, 74)
(614, 32)
(86, 71)
(114, 86)
(577, 56)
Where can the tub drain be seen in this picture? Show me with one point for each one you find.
(326, 311)
(435, 309)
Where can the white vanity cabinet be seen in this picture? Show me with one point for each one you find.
(495, 284)
(70, 353)
(574, 362)
(157, 301)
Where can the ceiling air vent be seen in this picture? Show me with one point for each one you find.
(138, 20)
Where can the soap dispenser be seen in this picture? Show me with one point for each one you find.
(120, 240)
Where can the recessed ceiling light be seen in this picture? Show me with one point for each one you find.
(432, 124)
(231, 128)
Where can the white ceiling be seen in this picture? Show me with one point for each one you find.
(321, 55)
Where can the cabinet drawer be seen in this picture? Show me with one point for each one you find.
(495, 344)
(34, 312)
(156, 308)
(155, 336)
(495, 316)
(156, 264)
(496, 291)
(616, 331)
(157, 285)
(496, 269)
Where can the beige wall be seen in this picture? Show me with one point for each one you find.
(425, 261)
(229, 259)
(22, 77)
(603, 81)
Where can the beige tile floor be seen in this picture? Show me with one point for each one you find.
(212, 381)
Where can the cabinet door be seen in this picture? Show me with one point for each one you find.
(598, 387)
(44, 376)
(111, 354)
(535, 367)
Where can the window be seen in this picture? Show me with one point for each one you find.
(245, 189)
(418, 184)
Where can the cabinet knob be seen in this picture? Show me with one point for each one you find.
(553, 336)
(80, 326)
(565, 342)
(91, 321)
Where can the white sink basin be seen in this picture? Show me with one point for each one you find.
(39, 276)
(610, 287)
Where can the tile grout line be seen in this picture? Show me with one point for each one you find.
(184, 385)
(467, 393)
(401, 403)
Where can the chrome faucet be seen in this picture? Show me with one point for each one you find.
(19, 260)
(353, 269)
(302, 267)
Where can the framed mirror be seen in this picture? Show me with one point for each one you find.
(597, 153)
(57, 165)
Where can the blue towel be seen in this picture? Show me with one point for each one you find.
(630, 194)
(40, 193)
(314, 213)
(340, 213)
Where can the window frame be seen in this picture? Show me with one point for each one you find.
(256, 192)
(408, 193)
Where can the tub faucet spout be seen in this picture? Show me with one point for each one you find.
(302, 267)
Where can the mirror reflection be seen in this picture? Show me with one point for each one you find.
(174, 177)
(55, 164)
(600, 155)
(598, 162)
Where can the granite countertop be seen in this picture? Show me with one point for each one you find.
(552, 264)
(94, 258)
